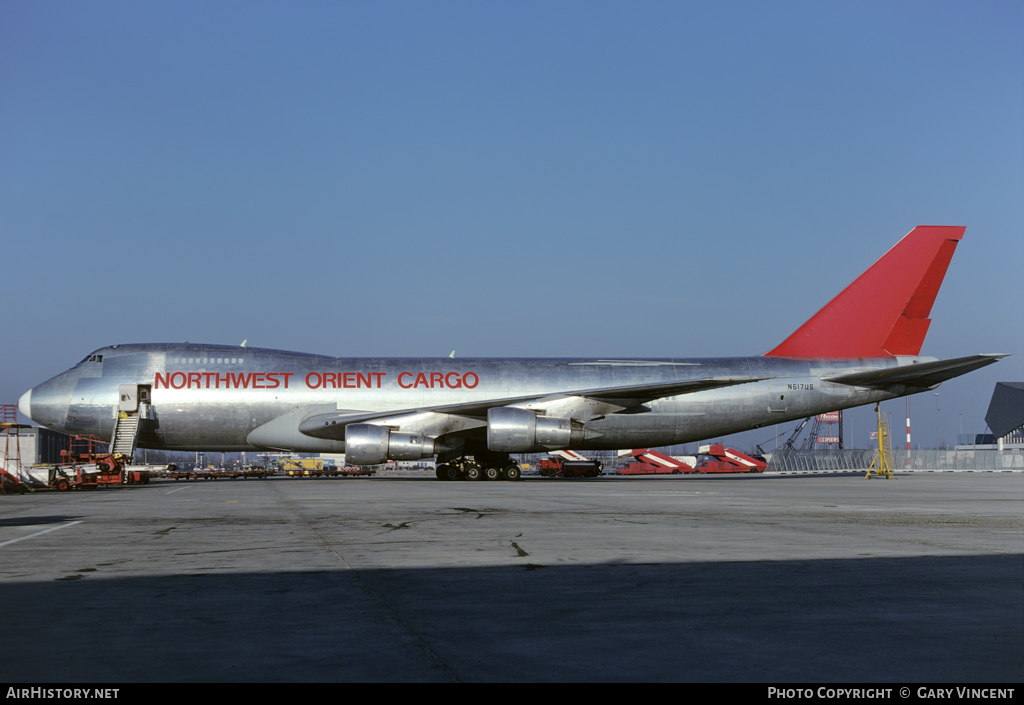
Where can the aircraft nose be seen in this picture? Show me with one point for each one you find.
(25, 404)
(47, 403)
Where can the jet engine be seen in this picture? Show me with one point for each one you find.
(511, 430)
(366, 444)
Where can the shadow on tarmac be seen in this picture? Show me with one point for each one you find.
(34, 521)
(915, 619)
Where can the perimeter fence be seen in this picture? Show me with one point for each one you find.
(832, 460)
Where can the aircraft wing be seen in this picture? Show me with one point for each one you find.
(924, 375)
(332, 425)
(638, 394)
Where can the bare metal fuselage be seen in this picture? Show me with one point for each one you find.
(225, 398)
(862, 347)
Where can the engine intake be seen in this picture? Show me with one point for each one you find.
(367, 444)
(511, 430)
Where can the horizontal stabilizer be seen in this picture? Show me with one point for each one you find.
(923, 375)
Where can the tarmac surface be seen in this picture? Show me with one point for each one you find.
(810, 578)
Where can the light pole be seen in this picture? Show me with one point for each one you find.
(936, 420)
(908, 423)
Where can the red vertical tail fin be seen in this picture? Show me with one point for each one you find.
(885, 310)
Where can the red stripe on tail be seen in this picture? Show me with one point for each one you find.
(885, 311)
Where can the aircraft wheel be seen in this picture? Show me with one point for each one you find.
(442, 471)
(473, 471)
(492, 473)
(512, 472)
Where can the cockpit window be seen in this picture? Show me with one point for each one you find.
(92, 358)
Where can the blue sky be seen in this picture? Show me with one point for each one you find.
(503, 179)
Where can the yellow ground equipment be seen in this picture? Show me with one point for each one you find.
(881, 464)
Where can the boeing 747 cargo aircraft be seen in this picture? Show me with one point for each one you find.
(472, 414)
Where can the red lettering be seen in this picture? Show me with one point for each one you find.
(286, 376)
(258, 377)
(403, 386)
(226, 379)
(465, 380)
(331, 377)
(448, 380)
(309, 380)
(160, 379)
(349, 378)
(421, 378)
(180, 384)
(207, 375)
(436, 378)
(240, 380)
(272, 377)
(359, 380)
(197, 377)
(378, 375)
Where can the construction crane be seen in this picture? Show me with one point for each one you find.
(812, 437)
(789, 443)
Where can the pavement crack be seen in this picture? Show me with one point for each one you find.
(479, 512)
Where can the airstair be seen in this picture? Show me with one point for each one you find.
(126, 434)
(132, 406)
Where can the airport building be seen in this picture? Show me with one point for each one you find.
(1005, 419)
(31, 445)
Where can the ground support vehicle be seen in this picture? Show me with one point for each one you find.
(567, 463)
(301, 467)
(10, 484)
(332, 471)
(725, 460)
(653, 462)
(82, 466)
(356, 471)
(549, 467)
(89, 476)
(580, 468)
(201, 474)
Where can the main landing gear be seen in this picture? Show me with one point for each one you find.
(496, 468)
